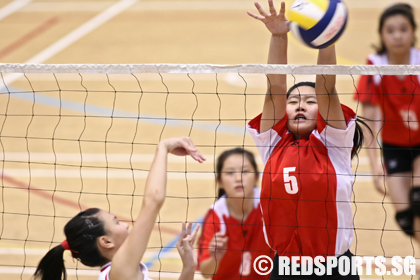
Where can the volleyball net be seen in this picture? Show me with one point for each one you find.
(79, 136)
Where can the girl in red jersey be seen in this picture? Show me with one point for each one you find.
(306, 138)
(232, 236)
(396, 101)
(97, 238)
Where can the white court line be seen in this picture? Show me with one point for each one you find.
(12, 7)
(189, 5)
(68, 6)
(75, 35)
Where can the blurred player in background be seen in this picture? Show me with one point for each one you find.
(232, 236)
(393, 105)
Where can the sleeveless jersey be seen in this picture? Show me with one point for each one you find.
(399, 101)
(246, 240)
(107, 268)
(306, 188)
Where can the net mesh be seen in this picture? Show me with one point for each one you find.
(80, 136)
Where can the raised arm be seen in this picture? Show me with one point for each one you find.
(328, 101)
(125, 263)
(274, 107)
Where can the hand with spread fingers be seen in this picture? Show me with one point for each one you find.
(275, 22)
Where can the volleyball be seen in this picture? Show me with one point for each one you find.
(318, 23)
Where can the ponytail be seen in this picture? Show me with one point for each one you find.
(81, 234)
(51, 267)
(359, 137)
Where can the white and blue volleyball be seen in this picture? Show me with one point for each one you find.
(318, 23)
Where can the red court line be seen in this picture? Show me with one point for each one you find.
(28, 36)
(70, 203)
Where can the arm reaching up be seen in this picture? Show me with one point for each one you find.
(274, 107)
(328, 101)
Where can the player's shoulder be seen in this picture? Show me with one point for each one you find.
(217, 210)
(415, 56)
(377, 59)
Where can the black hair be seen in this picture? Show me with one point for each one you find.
(81, 234)
(222, 158)
(358, 138)
(398, 9)
(300, 84)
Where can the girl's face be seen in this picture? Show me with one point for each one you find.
(238, 177)
(397, 34)
(302, 111)
(117, 231)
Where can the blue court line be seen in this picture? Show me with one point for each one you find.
(169, 246)
(107, 112)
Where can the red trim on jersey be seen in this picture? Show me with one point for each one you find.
(279, 126)
(105, 267)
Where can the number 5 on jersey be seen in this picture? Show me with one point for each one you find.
(290, 182)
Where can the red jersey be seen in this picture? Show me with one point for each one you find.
(306, 188)
(398, 99)
(246, 240)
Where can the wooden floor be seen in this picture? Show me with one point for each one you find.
(56, 162)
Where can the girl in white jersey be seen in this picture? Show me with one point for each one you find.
(97, 238)
(306, 138)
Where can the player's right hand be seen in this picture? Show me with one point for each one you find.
(218, 245)
(183, 146)
(275, 22)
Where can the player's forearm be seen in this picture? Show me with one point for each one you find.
(275, 99)
(187, 273)
(209, 267)
(326, 83)
(277, 54)
(155, 190)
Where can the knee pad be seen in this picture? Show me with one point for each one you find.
(405, 220)
(415, 201)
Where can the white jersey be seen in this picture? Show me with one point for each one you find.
(107, 268)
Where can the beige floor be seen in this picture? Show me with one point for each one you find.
(92, 156)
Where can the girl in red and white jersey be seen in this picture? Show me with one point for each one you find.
(97, 238)
(393, 103)
(306, 138)
(232, 236)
